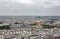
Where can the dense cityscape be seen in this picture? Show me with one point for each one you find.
(29, 27)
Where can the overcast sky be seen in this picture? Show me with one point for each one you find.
(30, 7)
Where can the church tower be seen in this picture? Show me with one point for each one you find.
(38, 23)
(37, 26)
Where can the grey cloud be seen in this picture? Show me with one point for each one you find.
(37, 8)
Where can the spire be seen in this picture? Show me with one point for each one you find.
(38, 21)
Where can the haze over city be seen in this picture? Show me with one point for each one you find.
(29, 19)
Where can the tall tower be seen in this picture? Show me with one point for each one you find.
(37, 26)
(38, 21)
